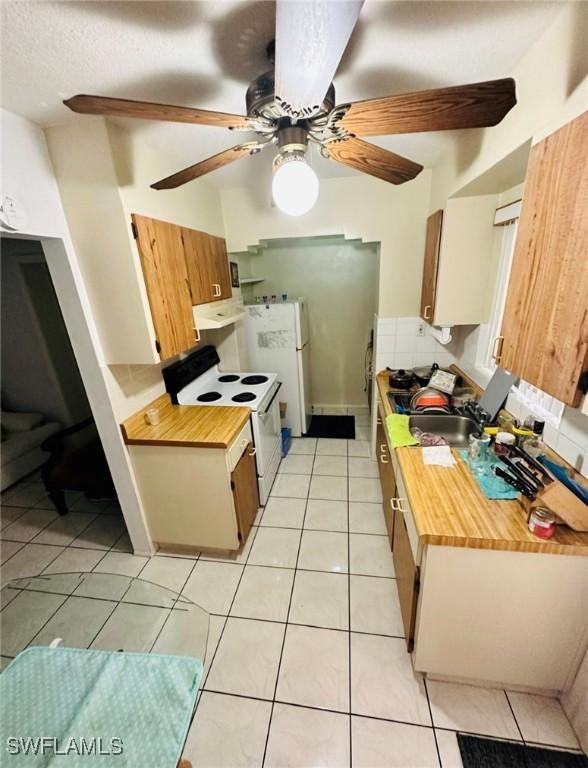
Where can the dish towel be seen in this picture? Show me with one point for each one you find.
(397, 426)
(492, 487)
(134, 707)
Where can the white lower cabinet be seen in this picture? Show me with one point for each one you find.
(485, 616)
(198, 498)
(508, 618)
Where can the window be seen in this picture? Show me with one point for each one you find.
(489, 332)
(531, 401)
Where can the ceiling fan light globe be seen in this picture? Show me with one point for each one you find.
(295, 186)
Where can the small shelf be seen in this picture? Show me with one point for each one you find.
(251, 280)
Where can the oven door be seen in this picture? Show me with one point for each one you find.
(266, 432)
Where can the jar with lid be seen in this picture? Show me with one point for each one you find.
(503, 442)
(534, 445)
(542, 522)
(506, 422)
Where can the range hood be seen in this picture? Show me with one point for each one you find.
(218, 314)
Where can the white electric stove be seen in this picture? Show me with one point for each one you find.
(198, 381)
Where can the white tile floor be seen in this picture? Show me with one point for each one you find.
(306, 664)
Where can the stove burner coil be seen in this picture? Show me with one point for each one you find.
(244, 397)
(254, 380)
(209, 397)
(228, 377)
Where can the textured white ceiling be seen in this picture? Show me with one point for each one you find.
(205, 54)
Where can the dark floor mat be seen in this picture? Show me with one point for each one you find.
(489, 753)
(341, 427)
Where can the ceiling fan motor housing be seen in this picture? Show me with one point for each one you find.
(261, 99)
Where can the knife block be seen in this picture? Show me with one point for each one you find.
(562, 502)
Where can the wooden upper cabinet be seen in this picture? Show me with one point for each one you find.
(544, 337)
(200, 263)
(166, 279)
(207, 265)
(222, 268)
(431, 265)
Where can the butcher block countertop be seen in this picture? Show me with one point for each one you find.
(198, 426)
(449, 508)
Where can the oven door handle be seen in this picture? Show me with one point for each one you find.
(273, 398)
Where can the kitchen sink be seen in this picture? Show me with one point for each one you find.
(455, 429)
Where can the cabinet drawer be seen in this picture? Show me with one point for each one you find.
(238, 446)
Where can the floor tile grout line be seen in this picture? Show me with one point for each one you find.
(514, 716)
(91, 522)
(432, 722)
(287, 615)
(349, 613)
(230, 606)
(310, 626)
(175, 602)
(322, 530)
(39, 532)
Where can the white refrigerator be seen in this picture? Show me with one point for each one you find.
(277, 341)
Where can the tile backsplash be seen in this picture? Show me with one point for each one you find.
(399, 345)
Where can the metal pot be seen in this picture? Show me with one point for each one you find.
(427, 397)
(401, 379)
(422, 375)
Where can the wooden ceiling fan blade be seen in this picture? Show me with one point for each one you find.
(210, 164)
(311, 37)
(373, 160)
(145, 110)
(476, 105)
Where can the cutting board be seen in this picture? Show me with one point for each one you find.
(497, 391)
(563, 503)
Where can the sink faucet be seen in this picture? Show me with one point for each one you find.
(472, 408)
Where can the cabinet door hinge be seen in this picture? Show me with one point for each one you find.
(134, 228)
(157, 346)
(232, 485)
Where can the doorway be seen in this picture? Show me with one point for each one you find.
(339, 280)
(47, 421)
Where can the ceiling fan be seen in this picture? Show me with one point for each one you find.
(294, 104)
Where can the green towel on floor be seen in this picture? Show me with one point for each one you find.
(398, 430)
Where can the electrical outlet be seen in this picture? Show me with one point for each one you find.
(421, 329)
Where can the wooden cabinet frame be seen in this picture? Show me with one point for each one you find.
(245, 492)
(207, 266)
(166, 279)
(431, 265)
(544, 335)
(387, 478)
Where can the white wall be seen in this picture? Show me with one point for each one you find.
(339, 280)
(104, 175)
(28, 175)
(552, 88)
(39, 371)
(359, 208)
